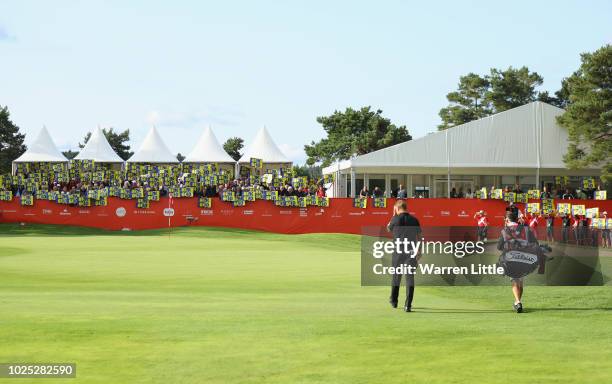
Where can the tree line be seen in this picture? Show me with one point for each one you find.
(586, 96)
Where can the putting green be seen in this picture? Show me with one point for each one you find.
(219, 306)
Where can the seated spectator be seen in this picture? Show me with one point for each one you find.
(377, 192)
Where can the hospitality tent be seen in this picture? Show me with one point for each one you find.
(99, 150)
(523, 145)
(264, 148)
(41, 150)
(208, 150)
(153, 150)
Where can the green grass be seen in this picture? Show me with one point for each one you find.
(224, 306)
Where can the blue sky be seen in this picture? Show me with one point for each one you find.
(238, 65)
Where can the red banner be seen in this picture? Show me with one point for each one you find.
(339, 217)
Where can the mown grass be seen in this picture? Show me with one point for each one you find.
(210, 305)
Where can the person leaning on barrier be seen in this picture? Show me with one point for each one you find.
(401, 192)
(404, 227)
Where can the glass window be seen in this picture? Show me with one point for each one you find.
(508, 181)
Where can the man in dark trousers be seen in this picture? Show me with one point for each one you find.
(403, 226)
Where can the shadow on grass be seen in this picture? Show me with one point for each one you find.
(456, 310)
(15, 229)
(605, 309)
(321, 240)
(526, 310)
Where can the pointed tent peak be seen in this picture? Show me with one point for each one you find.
(98, 149)
(263, 147)
(208, 150)
(153, 150)
(42, 149)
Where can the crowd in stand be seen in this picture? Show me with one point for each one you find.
(563, 193)
(35, 182)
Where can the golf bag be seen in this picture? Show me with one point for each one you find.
(520, 257)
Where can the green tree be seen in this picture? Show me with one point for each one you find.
(512, 88)
(70, 154)
(588, 117)
(353, 132)
(233, 146)
(560, 99)
(117, 140)
(11, 141)
(314, 172)
(467, 103)
(180, 157)
(480, 96)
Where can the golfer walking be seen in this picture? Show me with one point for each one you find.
(403, 226)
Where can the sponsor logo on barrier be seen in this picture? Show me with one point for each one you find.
(65, 212)
(227, 212)
(144, 212)
(247, 212)
(83, 212)
(47, 212)
(168, 212)
(303, 212)
(206, 212)
(444, 213)
(120, 212)
(285, 212)
(463, 214)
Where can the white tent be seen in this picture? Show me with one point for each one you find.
(42, 149)
(98, 149)
(153, 150)
(523, 141)
(523, 137)
(264, 148)
(208, 150)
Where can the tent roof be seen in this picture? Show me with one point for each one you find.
(153, 150)
(98, 149)
(524, 137)
(264, 148)
(42, 149)
(208, 150)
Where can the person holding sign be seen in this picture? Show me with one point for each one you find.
(404, 227)
(550, 223)
(482, 224)
(532, 221)
(606, 238)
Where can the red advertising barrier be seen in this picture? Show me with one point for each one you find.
(339, 217)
